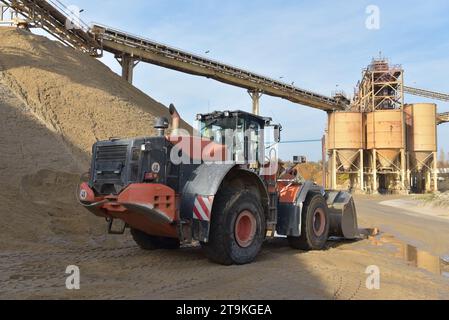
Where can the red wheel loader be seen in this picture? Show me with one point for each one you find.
(221, 188)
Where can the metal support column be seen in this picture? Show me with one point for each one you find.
(409, 172)
(403, 170)
(255, 97)
(6, 15)
(435, 172)
(323, 155)
(374, 164)
(361, 172)
(334, 169)
(3, 10)
(428, 181)
(128, 63)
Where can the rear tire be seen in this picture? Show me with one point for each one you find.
(237, 228)
(148, 242)
(314, 227)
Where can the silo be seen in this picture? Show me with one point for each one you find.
(345, 144)
(385, 132)
(421, 120)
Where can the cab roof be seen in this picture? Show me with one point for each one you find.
(263, 121)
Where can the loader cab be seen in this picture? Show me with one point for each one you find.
(241, 132)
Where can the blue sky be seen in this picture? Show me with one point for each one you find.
(319, 45)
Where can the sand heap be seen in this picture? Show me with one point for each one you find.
(440, 200)
(54, 104)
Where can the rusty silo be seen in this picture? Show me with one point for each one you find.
(421, 120)
(345, 144)
(382, 144)
(385, 132)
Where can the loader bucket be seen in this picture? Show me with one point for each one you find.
(343, 215)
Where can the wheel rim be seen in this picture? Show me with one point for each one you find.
(245, 229)
(319, 222)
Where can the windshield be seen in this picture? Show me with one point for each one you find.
(217, 129)
(229, 131)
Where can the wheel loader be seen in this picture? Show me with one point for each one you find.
(220, 188)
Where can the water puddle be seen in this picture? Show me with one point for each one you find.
(412, 255)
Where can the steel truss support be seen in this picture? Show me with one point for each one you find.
(255, 97)
(356, 173)
(334, 170)
(398, 168)
(429, 168)
(382, 87)
(4, 13)
(404, 170)
(128, 63)
(374, 168)
(435, 172)
(10, 18)
(361, 171)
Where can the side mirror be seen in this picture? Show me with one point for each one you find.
(277, 133)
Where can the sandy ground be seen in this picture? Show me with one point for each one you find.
(418, 206)
(126, 272)
(417, 228)
(54, 103)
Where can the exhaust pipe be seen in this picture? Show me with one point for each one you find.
(176, 119)
(161, 125)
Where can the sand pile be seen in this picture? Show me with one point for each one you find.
(54, 104)
(439, 200)
(311, 171)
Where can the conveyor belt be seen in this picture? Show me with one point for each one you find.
(146, 50)
(443, 118)
(51, 15)
(427, 94)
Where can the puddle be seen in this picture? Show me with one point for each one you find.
(414, 256)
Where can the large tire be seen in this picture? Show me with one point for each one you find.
(148, 242)
(237, 229)
(315, 225)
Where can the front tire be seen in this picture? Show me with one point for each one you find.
(237, 228)
(148, 242)
(315, 225)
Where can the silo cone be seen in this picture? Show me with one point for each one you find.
(347, 158)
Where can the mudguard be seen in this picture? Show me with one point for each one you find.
(204, 183)
(341, 208)
(307, 188)
(199, 193)
(290, 215)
